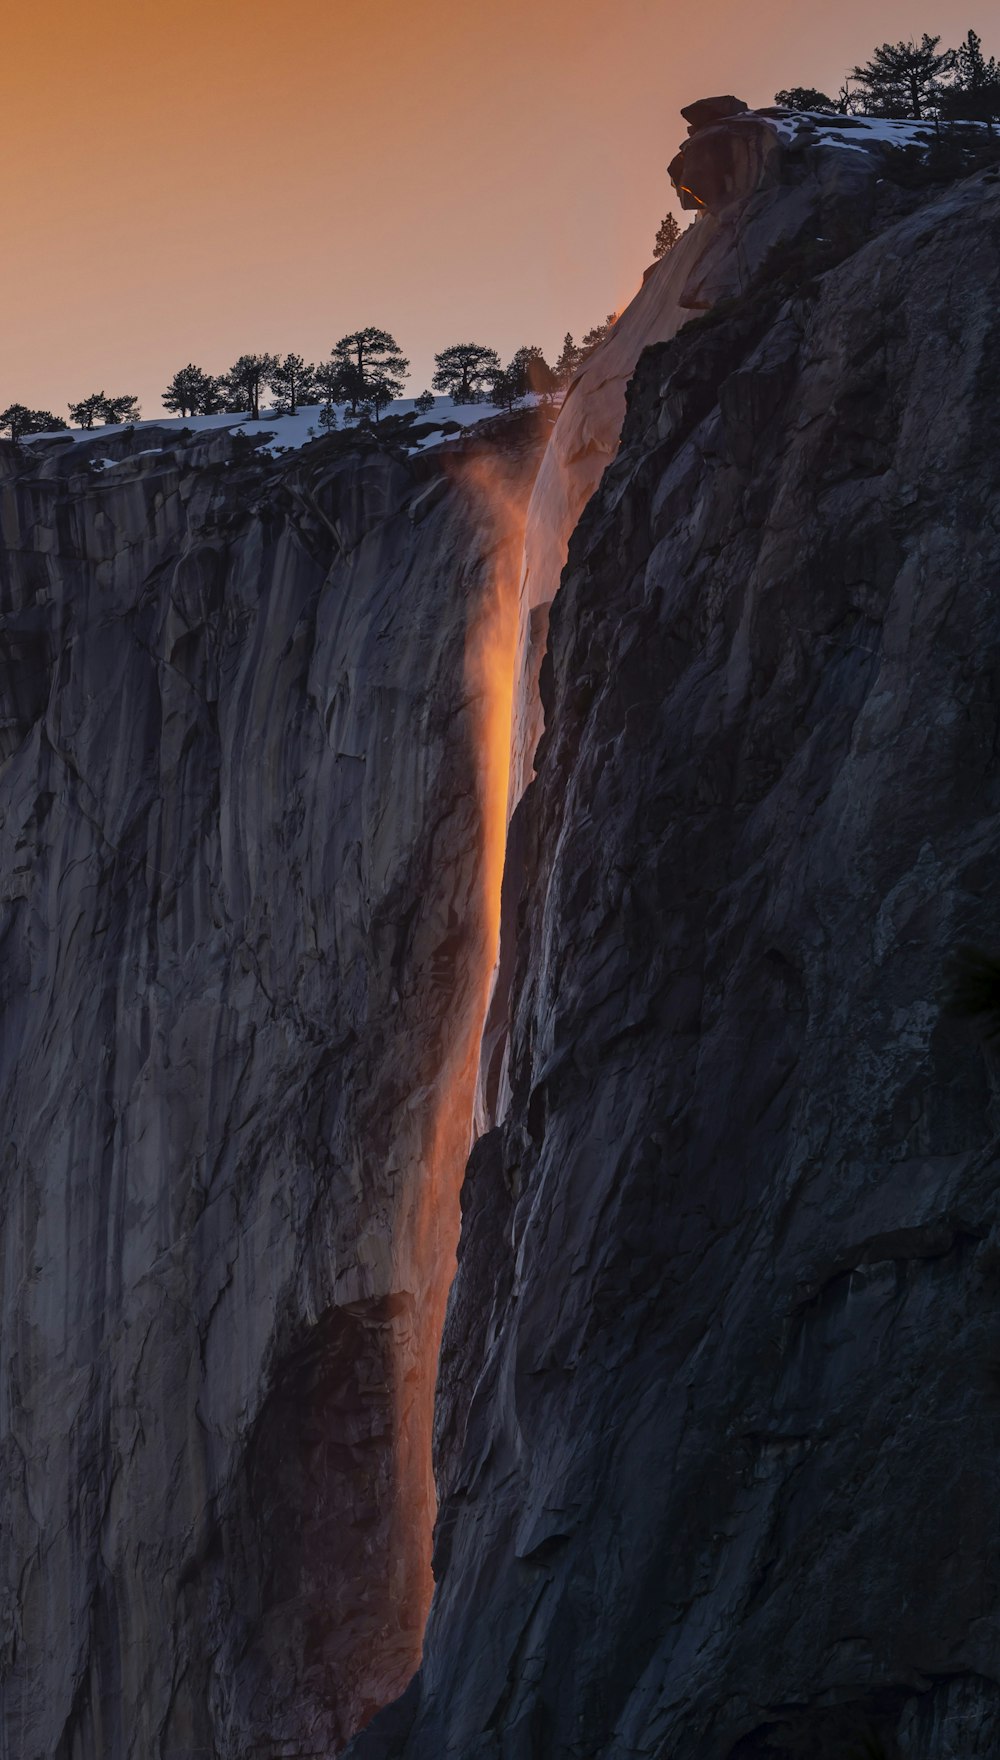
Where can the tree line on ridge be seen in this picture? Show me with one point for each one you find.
(365, 372)
(916, 81)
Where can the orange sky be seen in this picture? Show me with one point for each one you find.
(192, 180)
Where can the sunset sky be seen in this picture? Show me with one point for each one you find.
(189, 181)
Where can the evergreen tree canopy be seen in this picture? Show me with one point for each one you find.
(89, 410)
(381, 390)
(465, 371)
(905, 79)
(328, 380)
(533, 372)
(121, 409)
(192, 392)
(975, 94)
(291, 381)
(599, 334)
(17, 419)
(508, 388)
(245, 381)
(806, 98)
(568, 361)
(424, 402)
(372, 369)
(666, 237)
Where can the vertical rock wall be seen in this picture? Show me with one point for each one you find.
(242, 946)
(718, 1419)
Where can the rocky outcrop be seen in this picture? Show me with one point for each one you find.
(726, 164)
(817, 204)
(704, 111)
(718, 1415)
(243, 949)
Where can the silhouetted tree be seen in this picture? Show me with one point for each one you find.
(666, 237)
(508, 388)
(328, 380)
(975, 95)
(90, 410)
(806, 98)
(424, 402)
(381, 389)
(599, 334)
(905, 79)
(17, 420)
(291, 381)
(121, 409)
(328, 418)
(245, 381)
(370, 365)
(193, 392)
(535, 373)
(465, 371)
(568, 361)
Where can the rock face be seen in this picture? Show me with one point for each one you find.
(817, 199)
(243, 955)
(718, 1413)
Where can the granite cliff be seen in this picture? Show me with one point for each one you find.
(718, 1416)
(245, 940)
(717, 1411)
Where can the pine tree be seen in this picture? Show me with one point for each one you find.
(192, 392)
(533, 371)
(806, 98)
(291, 381)
(424, 402)
(666, 238)
(975, 95)
(328, 418)
(370, 364)
(328, 380)
(599, 334)
(465, 371)
(905, 79)
(508, 388)
(121, 409)
(381, 390)
(568, 361)
(245, 381)
(90, 410)
(17, 420)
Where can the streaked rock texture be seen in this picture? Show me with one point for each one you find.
(241, 969)
(718, 1407)
(718, 1415)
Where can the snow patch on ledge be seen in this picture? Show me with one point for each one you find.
(819, 128)
(285, 433)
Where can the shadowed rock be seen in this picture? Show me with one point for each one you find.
(241, 935)
(718, 1413)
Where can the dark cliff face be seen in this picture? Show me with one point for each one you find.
(242, 955)
(718, 1417)
(718, 1411)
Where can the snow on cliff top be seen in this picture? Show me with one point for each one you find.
(288, 432)
(822, 129)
